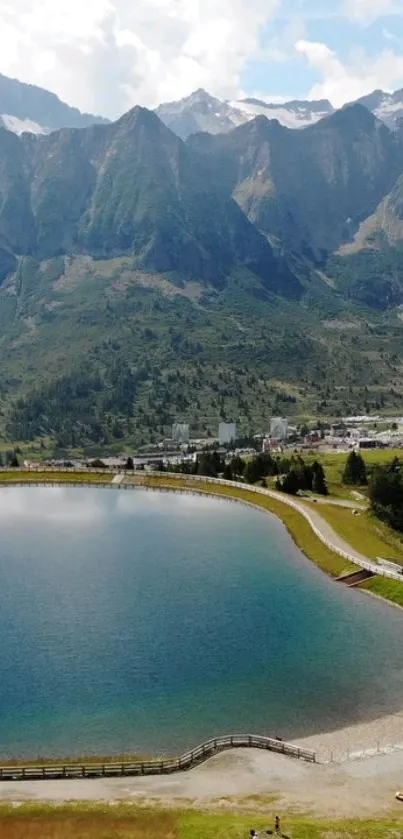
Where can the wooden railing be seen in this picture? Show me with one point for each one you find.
(153, 767)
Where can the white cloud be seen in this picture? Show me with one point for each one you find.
(107, 55)
(280, 47)
(343, 83)
(369, 9)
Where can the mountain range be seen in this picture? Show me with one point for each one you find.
(202, 112)
(144, 279)
(25, 107)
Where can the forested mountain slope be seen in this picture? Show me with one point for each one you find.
(145, 280)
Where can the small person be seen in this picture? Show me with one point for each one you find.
(278, 825)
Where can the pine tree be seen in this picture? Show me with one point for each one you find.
(355, 472)
(319, 484)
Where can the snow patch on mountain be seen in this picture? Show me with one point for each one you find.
(202, 112)
(290, 114)
(19, 126)
(389, 112)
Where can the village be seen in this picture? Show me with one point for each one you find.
(356, 433)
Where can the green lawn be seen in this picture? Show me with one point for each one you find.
(334, 465)
(364, 532)
(54, 477)
(388, 589)
(131, 821)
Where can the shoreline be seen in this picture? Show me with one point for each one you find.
(359, 741)
(298, 525)
(345, 745)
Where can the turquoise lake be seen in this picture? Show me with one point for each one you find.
(146, 622)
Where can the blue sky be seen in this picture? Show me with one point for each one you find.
(366, 39)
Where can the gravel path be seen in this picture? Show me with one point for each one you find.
(359, 788)
(330, 537)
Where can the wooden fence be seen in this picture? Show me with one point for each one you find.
(154, 767)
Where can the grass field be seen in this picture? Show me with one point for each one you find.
(126, 821)
(388, 589)
(13, 477)
(365, 533)
(334, 465)
(75, 761)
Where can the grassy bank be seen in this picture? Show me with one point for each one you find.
(88, 760)
(365, 533)
(334, 463)
(46, 477)
(388, 589)
(128, 821)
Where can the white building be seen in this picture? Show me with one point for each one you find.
(226, 433)
(278, 428)
(180, 432)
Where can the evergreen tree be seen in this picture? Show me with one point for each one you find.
(129, 464)
(386, 495)
(209, 464)
(355, 472)
(12, 460)
(228, 473)
(319, 484)
(237, 465)
(261, 466)
(252, 471)
(291, 483)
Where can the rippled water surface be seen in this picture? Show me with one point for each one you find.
(146, 622)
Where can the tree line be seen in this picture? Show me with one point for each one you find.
(386, 493)
(292, 473)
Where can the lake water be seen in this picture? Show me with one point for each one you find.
(147, 622)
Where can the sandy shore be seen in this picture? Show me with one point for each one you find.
(381, 736)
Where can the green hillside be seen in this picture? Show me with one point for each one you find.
(109, 352)
(144, 280)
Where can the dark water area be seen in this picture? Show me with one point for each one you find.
(143, 622)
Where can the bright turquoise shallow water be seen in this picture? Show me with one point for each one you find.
(147, 622)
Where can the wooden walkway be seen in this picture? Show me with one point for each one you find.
(154, 767)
